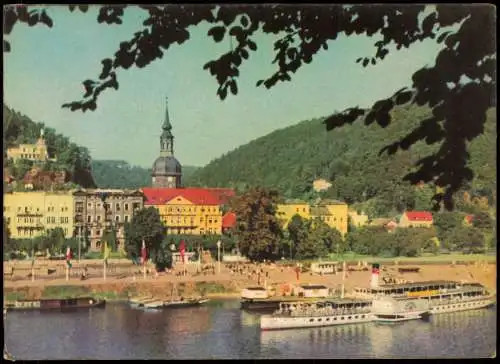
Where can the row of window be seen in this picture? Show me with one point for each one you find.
(29, 209)
(98, 218)
(341, 318)
(30, 232)
(109, 206)
(30, 156)
(172, 221)
(194, 209)
(192, 231)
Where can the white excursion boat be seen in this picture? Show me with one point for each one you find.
(443, 296)
(253, 293)
(292, 315)
(389, 309)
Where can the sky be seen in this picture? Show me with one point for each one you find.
(46, 68)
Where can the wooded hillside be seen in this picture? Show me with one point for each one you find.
(290, 159)
(120, 174)
(19, 129)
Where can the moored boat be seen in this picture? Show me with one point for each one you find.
(185, 303)
(389, 309)
(55, 303)
(291, 315)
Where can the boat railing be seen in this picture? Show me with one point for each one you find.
(327, 311)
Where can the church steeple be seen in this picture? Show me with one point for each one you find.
(166, 138)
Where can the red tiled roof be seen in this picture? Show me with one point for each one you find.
(229, 220)
(469, 218)
(419, 216)
(222, 194)
(197, 196)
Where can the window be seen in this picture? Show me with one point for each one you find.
(98, 232)
(48, 220)
(125, 207)
(126, 218)
(89, 218)
(117, 218)
(201, 219)
(53, 219)
(209, 221)
(98, 205)
(117, 207)
(65, 231)
(98, 218)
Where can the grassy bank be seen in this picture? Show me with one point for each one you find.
(113, 292)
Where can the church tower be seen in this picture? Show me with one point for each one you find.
(167, 171)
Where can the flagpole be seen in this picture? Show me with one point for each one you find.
(343, 279)
(67, 272)
(104, 269)
(144, 270)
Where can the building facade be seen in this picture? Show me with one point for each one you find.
(31, 214)
(333, 213)
(191, 211)
(97, 210)
(37, 152)
(166, 171)
(416, 219)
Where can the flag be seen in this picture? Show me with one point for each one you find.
(144, 253)
(375, 268)
(68, 257)
(106, 252)
(182, 249)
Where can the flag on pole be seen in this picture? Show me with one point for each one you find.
(182, 249)
(107, 251)
(68, 257)
(144, 253)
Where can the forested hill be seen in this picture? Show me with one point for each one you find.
(120, 174)
(290, 159)
(19, 129)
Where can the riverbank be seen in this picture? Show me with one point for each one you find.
(227, 285)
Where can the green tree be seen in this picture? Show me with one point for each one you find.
(162, 256)
(411, 242)
(467, 240)
(445, 222)
(423, 198)
(145, 225)
(109, 236)
(298, 230)
(258, 229)
(482, 220)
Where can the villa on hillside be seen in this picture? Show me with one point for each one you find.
(37, 152)
(416, 219)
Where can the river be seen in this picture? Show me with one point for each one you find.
(220, 330)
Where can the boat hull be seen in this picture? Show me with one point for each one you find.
(407, 316)
(271, 322)
(462, 306)
(183, 304)
(56, 304)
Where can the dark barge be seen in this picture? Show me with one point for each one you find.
(55, 304)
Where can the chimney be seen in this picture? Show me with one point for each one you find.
(375, 274)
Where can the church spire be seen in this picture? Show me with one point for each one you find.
(166, 138)
(166, 123)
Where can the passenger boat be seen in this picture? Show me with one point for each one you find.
(258, 298)
(292, 315)
(443, 296)
(389, 309)
(55, 303)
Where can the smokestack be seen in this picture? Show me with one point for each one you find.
(375, 274)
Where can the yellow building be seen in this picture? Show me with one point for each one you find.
(333, 213)
(190, 211)
(416, 219)
(32, 152)
(358, 220)
(30, 214)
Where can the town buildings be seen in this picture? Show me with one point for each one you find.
(31, 214)
(333, 213)
(416, 219)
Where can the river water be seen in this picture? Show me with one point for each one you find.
(221, 330)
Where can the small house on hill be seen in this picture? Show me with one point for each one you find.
(37, 179)
(416, 219)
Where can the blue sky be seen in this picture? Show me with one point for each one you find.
(46, 67)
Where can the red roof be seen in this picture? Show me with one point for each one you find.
(197, 196)
(222, 194)
(469, 218)
(419, 216)
(229, 220)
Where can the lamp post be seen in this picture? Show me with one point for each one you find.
(218, 255)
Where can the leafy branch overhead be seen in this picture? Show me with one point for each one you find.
(459, 87)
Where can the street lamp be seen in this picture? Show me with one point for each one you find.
(218, 254)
